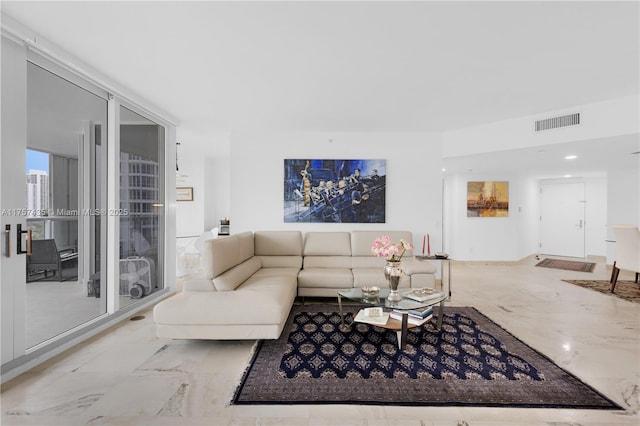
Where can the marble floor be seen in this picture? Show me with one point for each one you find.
(127, 376)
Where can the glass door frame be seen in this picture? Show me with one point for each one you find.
(113, 196)
(85, 177)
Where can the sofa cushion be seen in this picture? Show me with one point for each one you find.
(327, 244)
(361, 241)
(237, 275)
(327, 262)
(277, 272)
(278, 243)
(325, 278)
(206, 256)
(224, 255)
(203, 284)
(413, 266)
(375, 277)
(245, 246)
(368, 262)
(278, 262)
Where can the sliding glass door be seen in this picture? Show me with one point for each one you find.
(64, 187)
(141, 213)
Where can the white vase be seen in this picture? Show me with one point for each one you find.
(393, 272)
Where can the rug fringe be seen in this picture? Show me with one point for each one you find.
(238, 386)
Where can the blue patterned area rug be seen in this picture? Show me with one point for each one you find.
(471, 362)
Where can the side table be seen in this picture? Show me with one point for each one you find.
(443, 261)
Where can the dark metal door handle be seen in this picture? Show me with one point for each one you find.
(19, 241)
(7, 240)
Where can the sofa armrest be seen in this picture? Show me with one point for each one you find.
(198, 284)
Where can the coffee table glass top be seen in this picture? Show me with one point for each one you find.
(355, 294)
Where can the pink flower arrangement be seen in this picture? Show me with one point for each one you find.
(384, 247)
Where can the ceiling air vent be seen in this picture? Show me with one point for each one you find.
(557, 122)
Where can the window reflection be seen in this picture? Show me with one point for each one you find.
(141, 198)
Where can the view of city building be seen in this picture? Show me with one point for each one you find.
(37, 192)
(139, 196)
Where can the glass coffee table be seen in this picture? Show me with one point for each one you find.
(403, 306)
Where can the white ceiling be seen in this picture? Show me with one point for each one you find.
(593, 158)
(350, 66)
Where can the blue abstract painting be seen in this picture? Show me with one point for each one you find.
(334, 191)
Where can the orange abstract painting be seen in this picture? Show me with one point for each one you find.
(487, 199)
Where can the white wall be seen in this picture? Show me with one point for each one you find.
(204, 157)
(414, 181)
(190, 214)
(529, 213)
(623, 205)
(596, 216)
(491, 238)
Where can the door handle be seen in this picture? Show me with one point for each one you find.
(7, 240)
(19, 241)
(579, 225)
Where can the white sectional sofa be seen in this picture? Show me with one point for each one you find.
(250, 281)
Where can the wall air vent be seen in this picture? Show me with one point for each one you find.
(557, 122)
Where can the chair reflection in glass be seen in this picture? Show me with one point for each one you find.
(45, 257)
(627, 238)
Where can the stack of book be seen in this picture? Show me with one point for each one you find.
(416, 317)
(423, 294)
(369, 319)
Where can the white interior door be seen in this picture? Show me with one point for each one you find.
(562, 225)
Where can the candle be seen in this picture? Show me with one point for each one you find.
(428, 245)
(424, 240)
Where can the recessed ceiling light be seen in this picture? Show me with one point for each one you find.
(444, 170)
(570, 157)
(568, 176)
